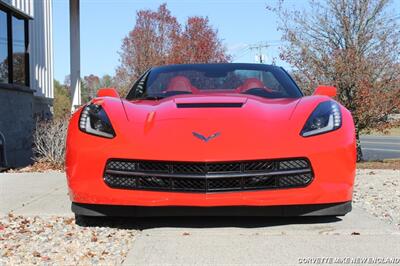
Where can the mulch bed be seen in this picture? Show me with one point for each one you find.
(38, 167)
(385, 164)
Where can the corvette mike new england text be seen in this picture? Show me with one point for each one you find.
(349, 260)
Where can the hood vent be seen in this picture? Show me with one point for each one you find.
(209, 105)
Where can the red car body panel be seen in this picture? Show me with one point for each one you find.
(260, 129)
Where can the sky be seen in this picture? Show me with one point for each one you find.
(104, 23)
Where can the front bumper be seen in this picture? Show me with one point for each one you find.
(332, 183)
(330, 209)
(332, 158)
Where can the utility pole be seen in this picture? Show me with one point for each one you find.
(260, 57)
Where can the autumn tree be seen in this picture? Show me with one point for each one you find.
(157, 39)
(107, 81)
(4, 71)
(92, 83)
(148, 44)
(198, 43)
(353, 45)
(89, 86)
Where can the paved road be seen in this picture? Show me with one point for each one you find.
(380, 147)
(205, 240)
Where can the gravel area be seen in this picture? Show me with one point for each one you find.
(378, 192)
(59, 241)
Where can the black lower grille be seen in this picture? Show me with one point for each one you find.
(208, 177)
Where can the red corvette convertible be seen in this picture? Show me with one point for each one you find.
(211, 139)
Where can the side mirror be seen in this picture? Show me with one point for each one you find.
(107, 92)
(325, 90)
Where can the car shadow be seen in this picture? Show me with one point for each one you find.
(206, 222)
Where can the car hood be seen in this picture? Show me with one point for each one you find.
(229, 108)
(193, 128)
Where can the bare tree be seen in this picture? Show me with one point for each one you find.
(352, 44)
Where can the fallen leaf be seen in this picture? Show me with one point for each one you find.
(45, 258)
(68, 221)
(36, 254)
(39, 231)
(23, 230)
(7, 253)
(25, 221)
(90, 254)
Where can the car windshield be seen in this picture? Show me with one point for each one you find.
(255, 79)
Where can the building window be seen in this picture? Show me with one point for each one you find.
(19, 51)
(14, 57)
(3, 48)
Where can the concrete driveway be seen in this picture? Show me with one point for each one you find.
(34, 194)
(210, 240)
(263, 241)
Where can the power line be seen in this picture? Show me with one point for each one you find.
(259, 48)
(395, 16)
(243, 52)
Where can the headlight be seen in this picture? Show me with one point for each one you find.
(325, 118)
(94, 120)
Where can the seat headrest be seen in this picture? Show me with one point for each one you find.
(180, 83)
(251, 83)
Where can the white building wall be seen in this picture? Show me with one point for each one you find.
(41, 44)
(25, 6)
(41, 49)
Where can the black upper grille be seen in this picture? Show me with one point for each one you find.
(208, 177)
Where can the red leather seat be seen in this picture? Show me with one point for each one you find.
(251, 83)
(180, 83)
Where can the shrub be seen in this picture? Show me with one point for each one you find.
(62, 100)
(49, 142)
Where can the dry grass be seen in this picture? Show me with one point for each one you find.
(385, 164)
